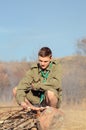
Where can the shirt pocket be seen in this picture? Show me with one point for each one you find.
(36, 79)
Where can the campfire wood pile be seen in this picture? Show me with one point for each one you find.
(48, 119)
(19, 120)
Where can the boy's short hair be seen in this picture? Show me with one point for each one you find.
(45, 51)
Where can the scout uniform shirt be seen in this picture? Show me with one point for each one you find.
(38, 80)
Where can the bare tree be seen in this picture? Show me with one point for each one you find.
(81, 47)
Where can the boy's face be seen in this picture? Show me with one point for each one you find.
(44, 61)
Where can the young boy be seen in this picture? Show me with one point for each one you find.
(41, 84)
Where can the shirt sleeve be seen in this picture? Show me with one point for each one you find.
(24, 85)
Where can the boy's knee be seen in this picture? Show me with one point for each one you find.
(50, 94)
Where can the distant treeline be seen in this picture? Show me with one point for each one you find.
(73, 82)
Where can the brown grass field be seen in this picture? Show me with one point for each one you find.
(74, 116)
(75, 119)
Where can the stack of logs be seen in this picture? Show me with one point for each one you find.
(19, 120)
(48, 119)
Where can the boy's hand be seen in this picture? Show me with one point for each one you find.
(24, 105)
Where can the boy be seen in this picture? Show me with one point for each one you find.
(41, 84)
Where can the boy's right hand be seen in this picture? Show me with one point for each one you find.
(24, 105)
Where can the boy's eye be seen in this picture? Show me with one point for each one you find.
(44, 61)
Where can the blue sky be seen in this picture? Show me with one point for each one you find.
(28, 25)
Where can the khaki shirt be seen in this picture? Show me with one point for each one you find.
(33, 76)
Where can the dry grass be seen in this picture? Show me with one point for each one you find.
(74, 117)
(74, 120)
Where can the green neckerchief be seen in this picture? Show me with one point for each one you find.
(45, 76)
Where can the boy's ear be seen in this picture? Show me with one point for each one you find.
(51, 57)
